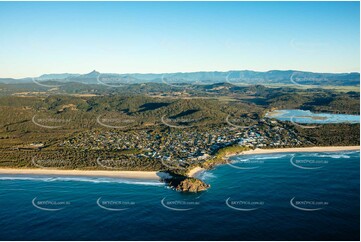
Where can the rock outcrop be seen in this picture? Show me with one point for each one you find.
(191, 184)
(186, 184)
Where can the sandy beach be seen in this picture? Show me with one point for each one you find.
(193, 172)
(303, 149)
(196, 170)
(148, 175)
(153, 175)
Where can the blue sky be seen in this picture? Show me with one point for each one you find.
(145, 37)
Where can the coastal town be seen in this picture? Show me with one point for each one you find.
(177, 147)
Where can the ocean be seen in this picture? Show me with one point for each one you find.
(284, 196)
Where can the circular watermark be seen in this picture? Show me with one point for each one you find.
(178, 123)
(42, 84)
(49, 163)
(183, 83)
(50, 205)
(49, 122)
(116, 121)
(232, 78)
(244, 205)
(114, 205)
(308, 205)
(237, 78)
(114, 80)
(292, 120)
(245, 164)
(121, 162)
(63, 81)
(307, 163)
(174, 164)
(236, 122)
(307, 46)
(303, 79)
(179, 205)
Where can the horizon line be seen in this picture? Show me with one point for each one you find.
(183, 72)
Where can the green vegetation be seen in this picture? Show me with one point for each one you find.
(222, 154)
(155, 126)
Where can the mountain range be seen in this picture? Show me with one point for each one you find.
(245, 77)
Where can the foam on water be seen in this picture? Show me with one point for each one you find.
(83, 179)
(339, 155)
(333, 155)
(275, 184)
(236, 159)
(206, 176)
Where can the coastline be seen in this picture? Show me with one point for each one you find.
(300, 149)
(156, 175)
(144, 175)
(196, 170)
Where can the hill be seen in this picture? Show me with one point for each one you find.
(244, 77)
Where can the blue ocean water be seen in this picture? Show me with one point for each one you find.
(289, 196)
(306, 116)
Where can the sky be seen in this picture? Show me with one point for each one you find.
(163, 37)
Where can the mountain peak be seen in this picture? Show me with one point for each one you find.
(93, 74)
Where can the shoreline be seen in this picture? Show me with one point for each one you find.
(196, 170)
(143, 175)
(157, 175)
(300, 149)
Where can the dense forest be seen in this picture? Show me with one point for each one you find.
(41, 126)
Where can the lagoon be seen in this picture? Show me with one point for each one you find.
(306, 116)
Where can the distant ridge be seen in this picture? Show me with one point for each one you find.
(209, 77)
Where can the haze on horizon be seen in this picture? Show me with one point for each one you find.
(160, 37)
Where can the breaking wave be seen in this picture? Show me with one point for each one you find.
(83, 179)
(253, 157)
(338, 155)
(206, 176)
